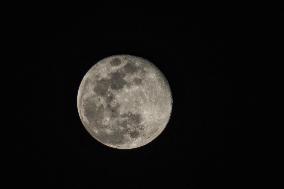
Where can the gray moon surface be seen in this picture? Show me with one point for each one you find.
(124, 101)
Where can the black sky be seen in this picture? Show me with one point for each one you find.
(200, 147)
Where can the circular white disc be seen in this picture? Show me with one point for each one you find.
(124, 101)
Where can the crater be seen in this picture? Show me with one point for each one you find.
(115, 62)
(137, 81)
(135, 118)
(134, 134)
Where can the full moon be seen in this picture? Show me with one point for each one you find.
(124, 101)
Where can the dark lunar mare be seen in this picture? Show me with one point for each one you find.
(115, 61)
(116, 80)
(95, 113)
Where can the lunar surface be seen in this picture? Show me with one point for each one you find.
(124, 101)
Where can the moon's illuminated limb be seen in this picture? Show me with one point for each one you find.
(124, 101)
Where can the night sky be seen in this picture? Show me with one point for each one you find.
(211, 86)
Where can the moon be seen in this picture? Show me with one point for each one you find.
(124, 101)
